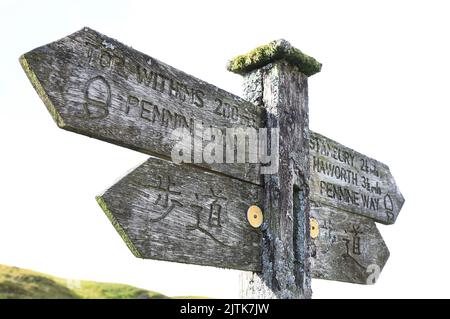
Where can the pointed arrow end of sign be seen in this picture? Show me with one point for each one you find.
(34, 79)
(383, 248)
(395, 202)
(347, 248)
(101, 201)
(400, 202)
(374, 270)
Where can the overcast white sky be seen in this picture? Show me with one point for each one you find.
(383, 90)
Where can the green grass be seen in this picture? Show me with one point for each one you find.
(16, 283)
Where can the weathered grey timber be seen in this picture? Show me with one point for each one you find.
(346, 179)
(183, 214)
(197, 213)
(281, 88)
(348, 248)
(96, 86)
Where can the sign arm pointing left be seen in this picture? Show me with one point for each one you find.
(183, 214)
(96, 86)
(41, 91)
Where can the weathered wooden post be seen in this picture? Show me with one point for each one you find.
(276, 78)
(206, 212)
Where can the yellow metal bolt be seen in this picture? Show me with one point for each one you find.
(255, 216)
(314, 230)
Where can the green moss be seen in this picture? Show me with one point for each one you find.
(118, 227)
(41, 91)
(275, 50)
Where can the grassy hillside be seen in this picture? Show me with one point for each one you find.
(16, 283)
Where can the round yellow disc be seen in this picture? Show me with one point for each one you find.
(255, 216)
(314, 230)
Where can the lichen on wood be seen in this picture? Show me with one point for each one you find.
(41, 91)
(181, 213)
(96, 86)
(282, 90)
(274, 51)
(118, 227)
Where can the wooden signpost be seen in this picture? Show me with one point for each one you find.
(96, 86)
(345, 247)
(181, 213)
(348, 192)
(348, 180)
(223, 214)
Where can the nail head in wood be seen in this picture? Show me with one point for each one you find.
(314, 224)
(255, 216)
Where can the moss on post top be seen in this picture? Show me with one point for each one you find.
(274, 51)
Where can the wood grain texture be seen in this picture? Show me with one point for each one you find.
(183, 214)
(96, 86)
(349, 247)
(351, 181)
(283, 92)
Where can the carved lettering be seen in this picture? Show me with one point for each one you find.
(226, 110)
(389, 207)
(97, 96)
(149, 111)
(339, 192)
(198, 98)
(343, 178)
(132, 101)
(168, 86)
(105, 59)
(152, 76)
(324, 148)
(334, 171)
(164, 203)
(214, 216)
